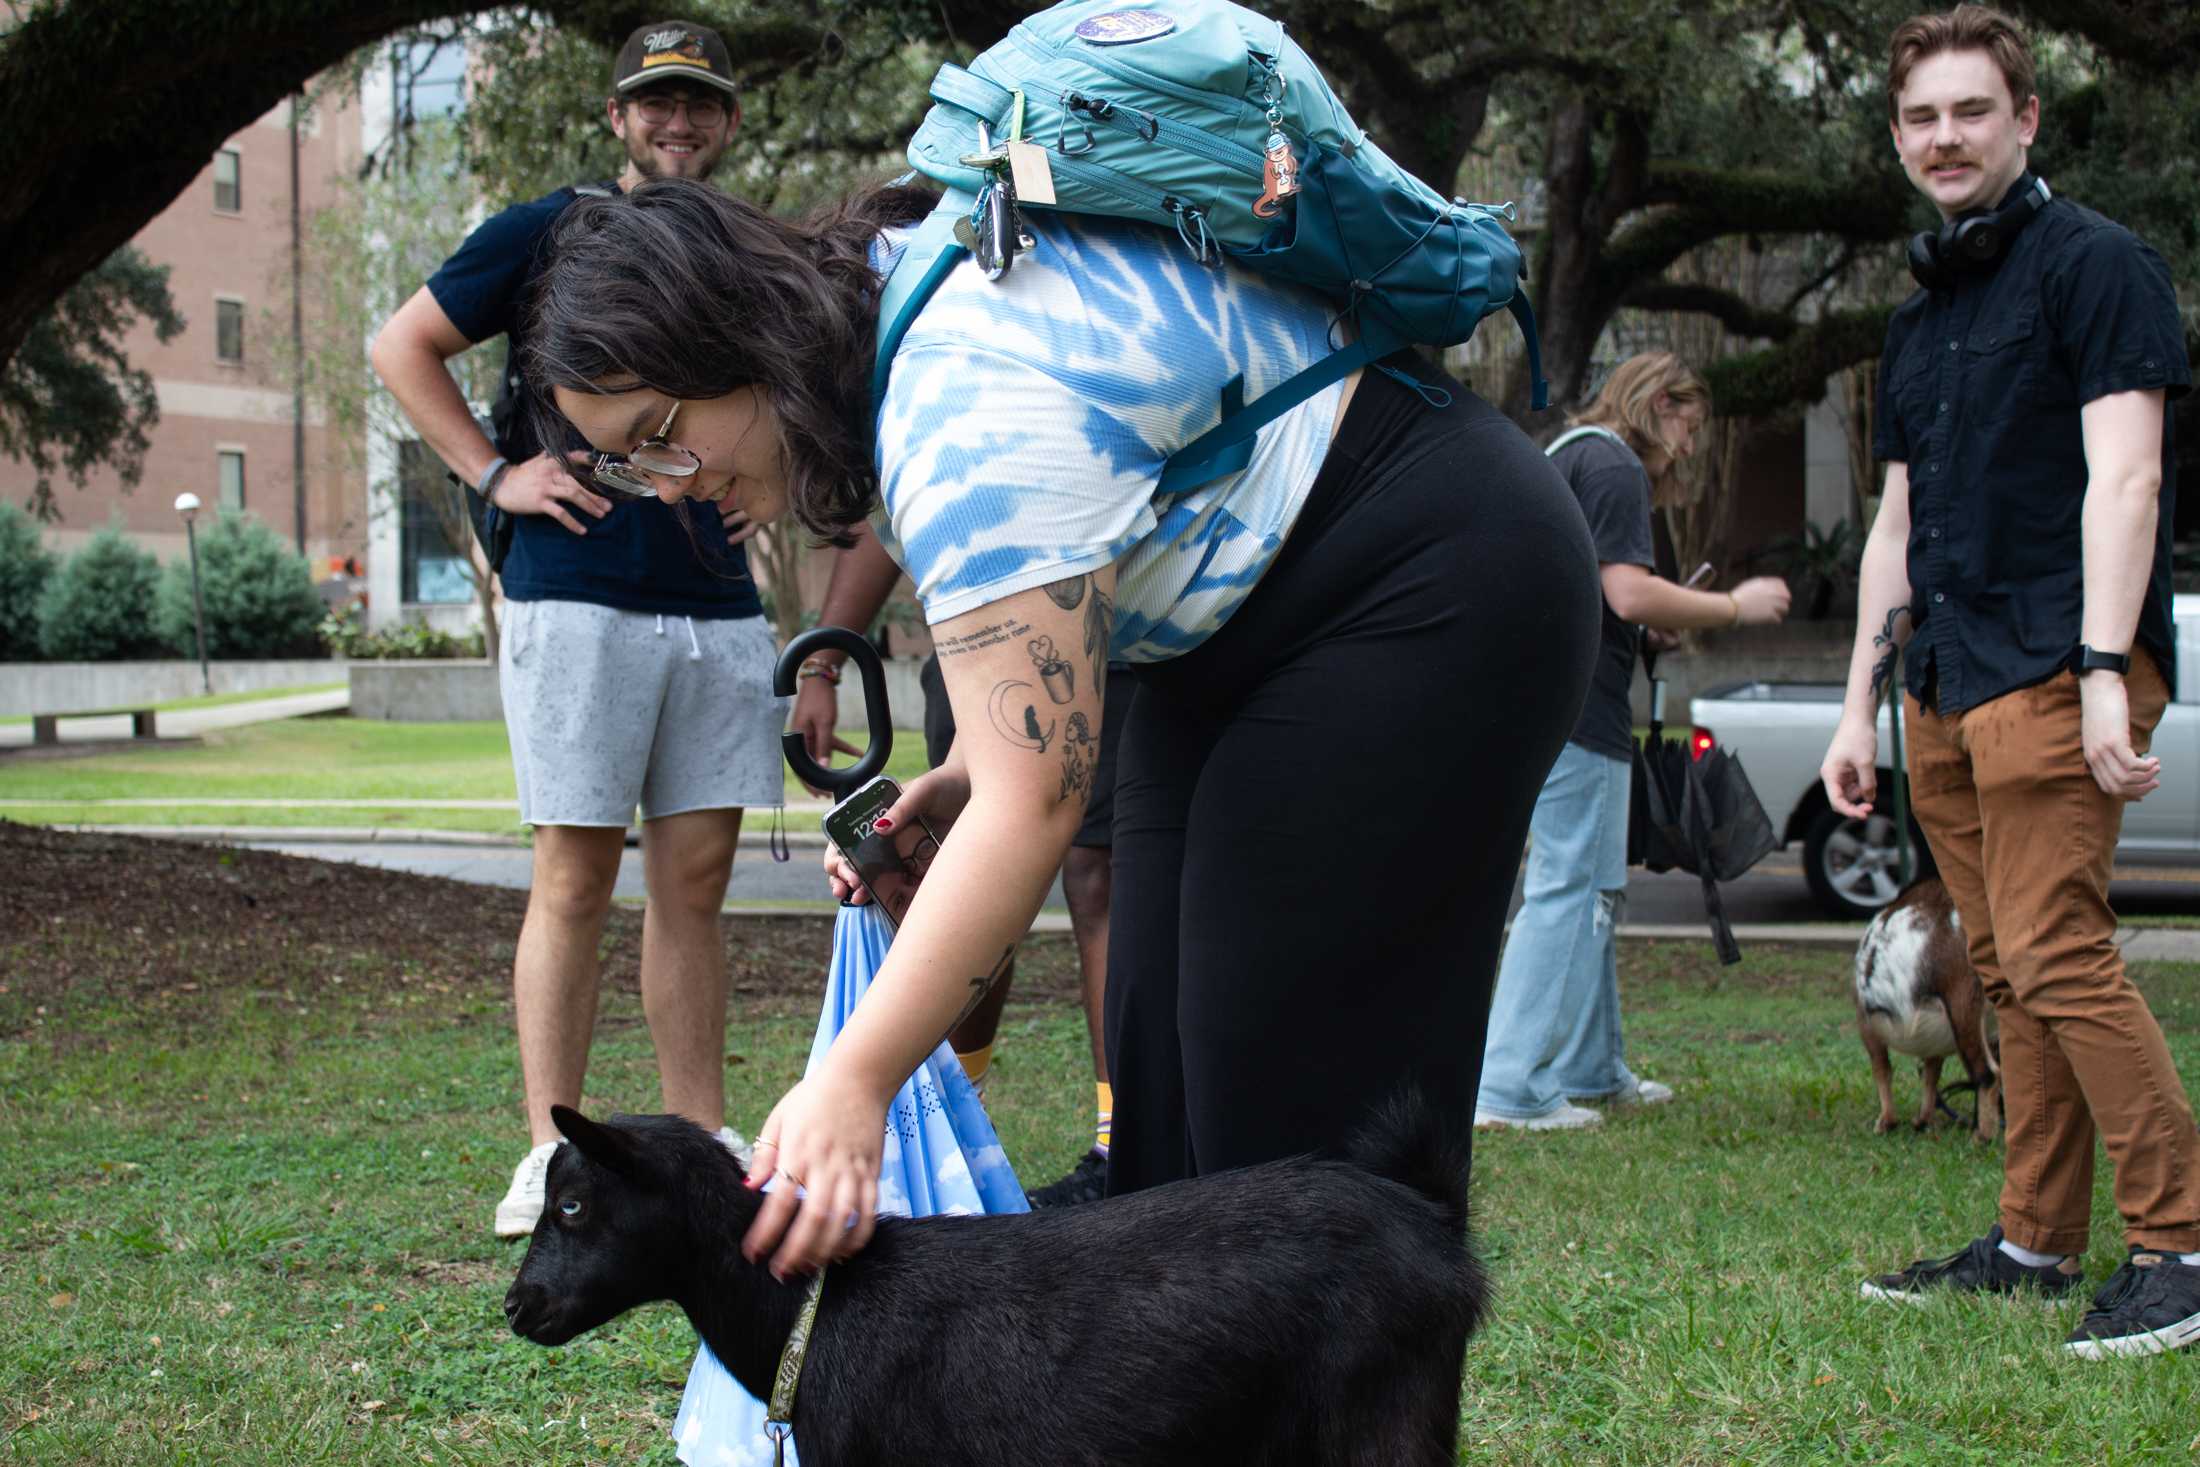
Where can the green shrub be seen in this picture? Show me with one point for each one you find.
(98, 607)
(345, 635)
(25, 567)
(260, 600)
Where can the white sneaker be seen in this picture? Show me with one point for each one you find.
(733, 1141)
(1644, 1092)
(1565, 1118)
(522, 1205)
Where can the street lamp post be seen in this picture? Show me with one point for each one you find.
(187, 505)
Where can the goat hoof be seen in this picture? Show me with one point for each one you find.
(1883, 1126)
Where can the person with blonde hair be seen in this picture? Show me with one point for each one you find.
(1554, 1032)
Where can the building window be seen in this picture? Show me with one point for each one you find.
(230, 464)
(228, 181)
(433, 545)
(229, 331)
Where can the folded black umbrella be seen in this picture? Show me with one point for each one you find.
(1698, 815)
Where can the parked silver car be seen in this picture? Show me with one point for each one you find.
(1780, 731)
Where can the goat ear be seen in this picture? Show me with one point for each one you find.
(599, 1144)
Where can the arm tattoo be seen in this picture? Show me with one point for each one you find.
(1080, 756)
(994, 634)
(1886, 642)
(1015, 716)
(1099, 632)
(981, 986)
(1057, 673)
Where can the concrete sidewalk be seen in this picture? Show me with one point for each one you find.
(183, 723)
(497, 860)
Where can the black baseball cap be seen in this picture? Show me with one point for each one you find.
(672, 50)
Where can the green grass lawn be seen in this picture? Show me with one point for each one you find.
(220, 700)
(307, 760)
(249, 1223)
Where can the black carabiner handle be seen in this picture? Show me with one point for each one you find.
(839, 783)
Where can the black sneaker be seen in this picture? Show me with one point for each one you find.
(2150, 1305)
(1087, 1182)
(1981, 1268)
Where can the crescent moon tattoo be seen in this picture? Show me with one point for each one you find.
(1019, 726)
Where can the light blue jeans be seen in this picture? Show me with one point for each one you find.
(1554, 1019)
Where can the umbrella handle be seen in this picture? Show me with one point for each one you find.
(840, 783)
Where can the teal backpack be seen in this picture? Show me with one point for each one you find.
(1203, 117)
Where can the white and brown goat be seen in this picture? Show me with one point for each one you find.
(1917, 994)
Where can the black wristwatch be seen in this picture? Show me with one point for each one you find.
(2092, 659)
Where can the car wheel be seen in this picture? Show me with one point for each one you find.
(1853, 866)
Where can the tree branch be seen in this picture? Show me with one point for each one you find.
(1708, 204)
(1795, 371)
(1741, 317)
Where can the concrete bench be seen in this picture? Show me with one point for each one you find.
(45, 727)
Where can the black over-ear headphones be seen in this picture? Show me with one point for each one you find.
(1971, 241)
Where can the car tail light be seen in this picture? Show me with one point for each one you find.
(1701, 743)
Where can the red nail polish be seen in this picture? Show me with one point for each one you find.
(884, 822)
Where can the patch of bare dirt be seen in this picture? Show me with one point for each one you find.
(117, 915)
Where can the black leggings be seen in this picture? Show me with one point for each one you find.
(1320, 810)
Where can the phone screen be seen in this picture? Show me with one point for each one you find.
(889, 865)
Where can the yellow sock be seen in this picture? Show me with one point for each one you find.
(976, 1063)
(1104, 1110)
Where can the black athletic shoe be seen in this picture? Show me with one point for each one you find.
(1981, 1268)
(2150, 1305)
(1087, 1182)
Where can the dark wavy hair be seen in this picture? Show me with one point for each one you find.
(681, 289)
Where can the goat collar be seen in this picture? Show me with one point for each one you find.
(779, 1415)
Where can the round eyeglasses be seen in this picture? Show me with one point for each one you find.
(703, 112)
(627, 473)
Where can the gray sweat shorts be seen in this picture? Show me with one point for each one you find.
(610, 709)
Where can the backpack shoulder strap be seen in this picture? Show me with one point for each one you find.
(1575, 435)
(931, 252)
(1228, 446)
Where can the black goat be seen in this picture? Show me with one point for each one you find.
(1307, 1311)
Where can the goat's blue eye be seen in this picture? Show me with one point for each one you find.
(570, 1208)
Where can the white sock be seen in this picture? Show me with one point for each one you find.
(2030, 1259)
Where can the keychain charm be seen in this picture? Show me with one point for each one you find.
(1279, 176)
(1279, 169)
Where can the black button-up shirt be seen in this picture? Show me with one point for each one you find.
(1979, 391)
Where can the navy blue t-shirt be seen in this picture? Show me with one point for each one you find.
(644, 555)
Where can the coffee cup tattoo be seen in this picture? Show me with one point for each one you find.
(1057, 674)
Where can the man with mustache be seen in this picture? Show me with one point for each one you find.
(623, 619)
(2022, 553)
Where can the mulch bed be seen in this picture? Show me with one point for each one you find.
(111, 916)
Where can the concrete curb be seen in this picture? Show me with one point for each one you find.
(375, 835)
(2139, 943)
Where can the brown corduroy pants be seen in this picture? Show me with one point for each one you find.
(2025, 839)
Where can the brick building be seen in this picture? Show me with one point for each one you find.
(229, 430)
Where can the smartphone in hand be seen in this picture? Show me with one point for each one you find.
(889, 864)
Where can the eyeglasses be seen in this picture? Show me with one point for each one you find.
(623, 473)
(703, 112)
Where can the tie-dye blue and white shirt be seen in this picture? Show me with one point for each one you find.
(1028, 419)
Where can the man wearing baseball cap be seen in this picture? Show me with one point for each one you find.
(622, 616)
